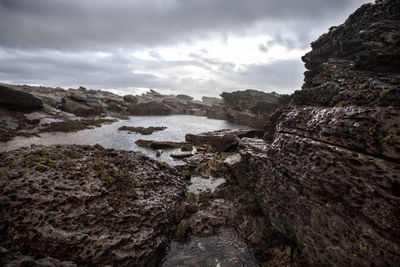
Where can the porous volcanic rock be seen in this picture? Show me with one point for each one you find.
(87, 205)
(18, 100)
(328, 176)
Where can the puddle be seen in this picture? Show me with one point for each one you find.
(200, 184)
(221, 250)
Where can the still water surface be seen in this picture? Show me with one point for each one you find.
(109, 136)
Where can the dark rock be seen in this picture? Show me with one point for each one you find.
(130, 99)
(181, 155)
(18, 100)
(87, 205)
(223, 140)
(159, 153)
(247, 100)
(159, 144)
(142, 130)
(187, 147)
(220, 141)
(51, 102)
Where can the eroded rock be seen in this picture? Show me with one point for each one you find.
(87, 205)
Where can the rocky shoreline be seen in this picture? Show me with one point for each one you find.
(318, 186)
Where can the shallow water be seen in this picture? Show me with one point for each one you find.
(109, 136)
(199, 184)
(224, 249)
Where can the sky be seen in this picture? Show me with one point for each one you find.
(194, 47)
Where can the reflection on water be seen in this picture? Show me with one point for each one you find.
(223, 249)
(109, 136)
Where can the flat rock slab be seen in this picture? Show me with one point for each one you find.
(87, 205)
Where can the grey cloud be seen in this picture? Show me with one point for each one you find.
(54, 42)
(103, 24)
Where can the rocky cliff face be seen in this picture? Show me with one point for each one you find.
(329, 178)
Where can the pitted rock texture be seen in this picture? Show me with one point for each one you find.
(369, 39)
(328, 173)
(358, 62)
(87, 205)
(340, 206)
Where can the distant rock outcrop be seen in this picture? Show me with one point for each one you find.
(212, 100)
(249, 107)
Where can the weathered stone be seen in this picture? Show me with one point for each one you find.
(88, 205)
(223, 140)
(18, 100)
(328, 178)
(81, 106)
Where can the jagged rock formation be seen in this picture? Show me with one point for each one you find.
(328, 174)
(86, 205)
(249, 107)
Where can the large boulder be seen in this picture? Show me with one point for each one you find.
(20, 101)
(81, 106)
(86, 205)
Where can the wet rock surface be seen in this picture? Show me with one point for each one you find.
(142, 130)
(159, 144)
(223, 140)
(86, 205)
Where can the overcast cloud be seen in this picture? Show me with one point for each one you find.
(196, 47)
